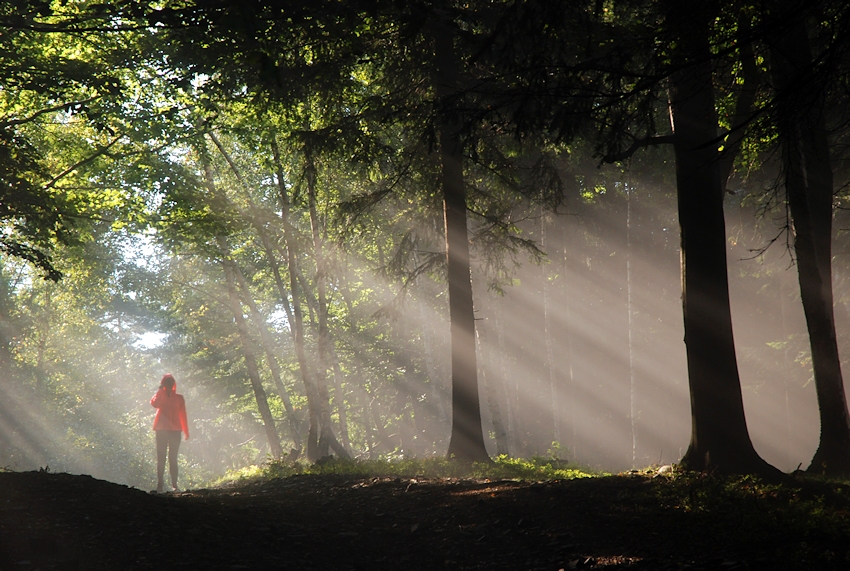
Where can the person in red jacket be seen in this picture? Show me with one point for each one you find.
(169, 422)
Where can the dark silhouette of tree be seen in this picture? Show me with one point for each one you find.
(719, 437)
(467, 438)
(610, 83)
(800, 119)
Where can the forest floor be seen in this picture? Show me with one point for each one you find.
(333, 522)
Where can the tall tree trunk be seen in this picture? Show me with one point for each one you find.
(552, 373)
(719, 437)
(297, 313)
(249, 357)
(236, 308)
(258, 225)
(567, 296)
(274, 366)
(809, 189)
(631, 326)
(492, 390)
(326, 435)
(467, 438)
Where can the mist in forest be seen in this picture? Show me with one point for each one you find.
(588, 351)
(585, 356)
(580, 357)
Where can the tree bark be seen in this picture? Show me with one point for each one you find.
(467, 438)
(719, 437)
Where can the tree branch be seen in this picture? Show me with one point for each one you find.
(82, 163)
(12, 122)
(638, 144)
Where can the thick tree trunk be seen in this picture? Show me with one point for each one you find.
(719, 437)
(467, 438)
(809, 189)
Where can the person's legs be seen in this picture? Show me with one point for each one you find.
(173, 448)
(161, 448)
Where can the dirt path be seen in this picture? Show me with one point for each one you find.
(59, 521)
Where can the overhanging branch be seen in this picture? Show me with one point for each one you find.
(639, 144)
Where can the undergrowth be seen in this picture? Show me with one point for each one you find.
(502, 467)
(807, 515)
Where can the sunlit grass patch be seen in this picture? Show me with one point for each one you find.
(502, 467)
(245, 474)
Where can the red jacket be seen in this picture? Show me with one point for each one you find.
(171, 411)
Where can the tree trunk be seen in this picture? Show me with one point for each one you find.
(326, 435)
(341, 407)
(631, 326)
(567, 294)
(258, 225)
(552, 373)
(236, 308)
(274, 366)
(492, 388)
(467, 438)
(809, 189)
(297, 313)
(250, 359)
(719, 437)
